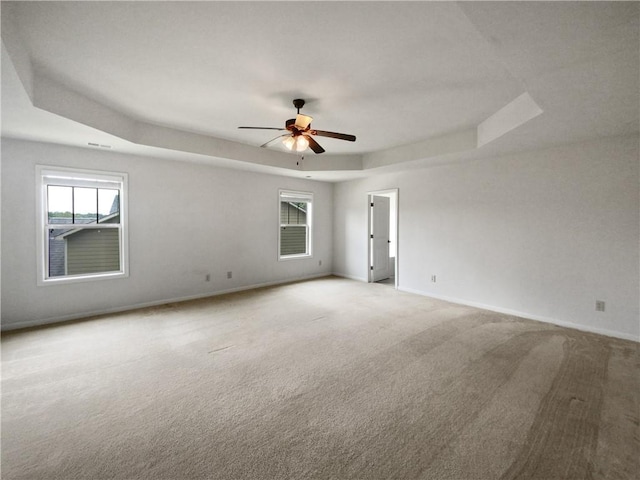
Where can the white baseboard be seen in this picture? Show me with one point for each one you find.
(65, 318)
(92, 313)
(350, 277)
(529, 316)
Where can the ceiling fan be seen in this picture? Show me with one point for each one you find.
(300, 134)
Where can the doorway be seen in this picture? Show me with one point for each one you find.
(383, 237)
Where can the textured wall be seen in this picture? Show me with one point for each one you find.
(543, 234)
(183, 225)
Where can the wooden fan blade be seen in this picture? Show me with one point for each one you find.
(313, 145)
(339, 136)
(264, 128)
(274, 139)
(303, 121)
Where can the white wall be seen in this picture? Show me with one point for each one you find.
(542, 234)
(184, 222)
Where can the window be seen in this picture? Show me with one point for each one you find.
(82, 223)
(294, 239)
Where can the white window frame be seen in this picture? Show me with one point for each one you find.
(292, 196)
(52, 175)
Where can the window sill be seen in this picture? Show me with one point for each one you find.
(81, 278)
(295, 257)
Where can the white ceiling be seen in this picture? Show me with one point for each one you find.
(176, 79)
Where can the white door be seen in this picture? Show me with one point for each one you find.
(380, 239)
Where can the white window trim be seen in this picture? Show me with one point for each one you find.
(300, 196)
(80, 177)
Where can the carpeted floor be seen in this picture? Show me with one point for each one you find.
(327, 379)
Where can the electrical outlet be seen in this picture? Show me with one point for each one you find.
(229, 274)
(599, 305)
(319, 263)
(433, 278)
(207, 277)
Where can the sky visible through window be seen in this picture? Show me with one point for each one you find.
(80, 200)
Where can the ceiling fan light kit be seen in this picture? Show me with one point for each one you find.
(300, 136)
(299, 143)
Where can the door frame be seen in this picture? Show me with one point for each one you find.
(389, 192)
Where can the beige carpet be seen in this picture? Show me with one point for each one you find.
(327, 379)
